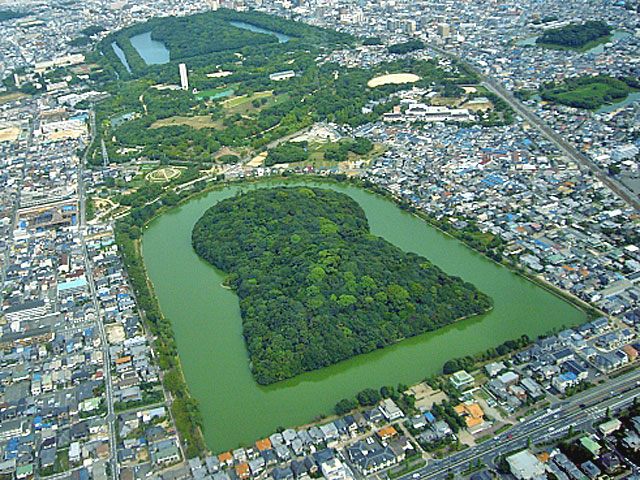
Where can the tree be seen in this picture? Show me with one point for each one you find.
(387, 391)
(450, 367)
(368, 397)
(344, 406)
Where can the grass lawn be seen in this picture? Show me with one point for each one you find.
(197, 122)
(480, 393)
(244, 105)
(234, 102)
(62, 461)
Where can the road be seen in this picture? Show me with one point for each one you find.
(111, 418)
(81, 185)
(569, 150)
(16, 204)
(579, 413)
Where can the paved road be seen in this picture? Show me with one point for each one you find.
(496, 87)
(111, 418)
(81, 185)
(579, 412)
(16, 204)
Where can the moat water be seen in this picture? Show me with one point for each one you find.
(208, 327)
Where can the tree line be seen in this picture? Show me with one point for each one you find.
(185, 410)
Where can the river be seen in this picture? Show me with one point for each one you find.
(207, 324)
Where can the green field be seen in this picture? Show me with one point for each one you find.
(234, 102)
(244, 105)
(197, 122)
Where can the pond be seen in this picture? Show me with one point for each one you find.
(247, 26)
(151, 51)
(121, 56)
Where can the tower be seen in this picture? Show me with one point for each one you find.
(444, 30)
(184, 79)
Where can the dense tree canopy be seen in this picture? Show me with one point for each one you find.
(574, 35)
(315, 286)
(406, 47)
(286, 153)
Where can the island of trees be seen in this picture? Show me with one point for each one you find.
(590, 92)
(315, 286)
(575, 35)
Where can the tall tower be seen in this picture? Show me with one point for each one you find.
(184, 79)
(444, 30)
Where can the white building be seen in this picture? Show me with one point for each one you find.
(525, 465)
(390, 410)
(334, 469)
(427, 113)
(74, 452)
(276, 77)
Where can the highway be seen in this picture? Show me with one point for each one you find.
(569, 150)
(579, 412)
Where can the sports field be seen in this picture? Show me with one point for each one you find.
(393, 78)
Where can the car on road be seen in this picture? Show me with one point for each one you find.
(415, 475)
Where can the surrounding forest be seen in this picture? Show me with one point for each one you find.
(319, 93)
(138, 119)
(315, 286)
(190, 38)
(574, 35)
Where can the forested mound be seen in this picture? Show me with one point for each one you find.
(315, 286)
(574, 35)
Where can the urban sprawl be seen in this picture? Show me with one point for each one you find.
(81, 388)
